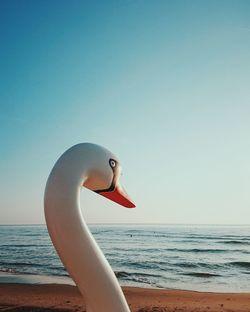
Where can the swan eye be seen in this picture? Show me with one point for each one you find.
(112, 163)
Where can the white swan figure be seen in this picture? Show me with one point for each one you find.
(97, 169)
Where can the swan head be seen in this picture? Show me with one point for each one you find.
(103, 175)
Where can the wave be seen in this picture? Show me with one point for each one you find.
(201, 274)
(33, 234)
(236, 242)
(139, 277)
(21, 264)
(186, 265)
(168, 265)
(241, 264)
(27, 245)
(150, 250)
(198, 265)
(8, 270)
(121, 274)
(197, 250)
(145, 265)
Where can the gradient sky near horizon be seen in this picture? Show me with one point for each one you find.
(165, 85)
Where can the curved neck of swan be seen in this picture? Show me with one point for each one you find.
(73, 241)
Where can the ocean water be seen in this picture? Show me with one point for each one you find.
(203, 258)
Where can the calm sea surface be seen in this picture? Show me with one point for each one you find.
(207, 258)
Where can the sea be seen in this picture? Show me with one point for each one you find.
(192, 257)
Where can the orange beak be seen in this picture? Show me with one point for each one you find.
(119, 196)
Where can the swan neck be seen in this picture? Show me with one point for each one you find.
(73, 241)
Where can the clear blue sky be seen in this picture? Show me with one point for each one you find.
(162, 84)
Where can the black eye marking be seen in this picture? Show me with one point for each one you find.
(112, 163)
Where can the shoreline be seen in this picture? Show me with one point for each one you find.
(7, 277)
(66, 298)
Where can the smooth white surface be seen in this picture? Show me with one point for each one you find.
(83, 164)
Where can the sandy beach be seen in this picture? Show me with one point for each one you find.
(53, 297)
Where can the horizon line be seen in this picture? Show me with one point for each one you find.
(146, 223)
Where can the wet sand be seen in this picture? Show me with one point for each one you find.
(66, 298)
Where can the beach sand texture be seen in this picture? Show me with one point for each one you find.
(66, 298)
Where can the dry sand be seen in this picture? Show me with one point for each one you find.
(65, 298)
